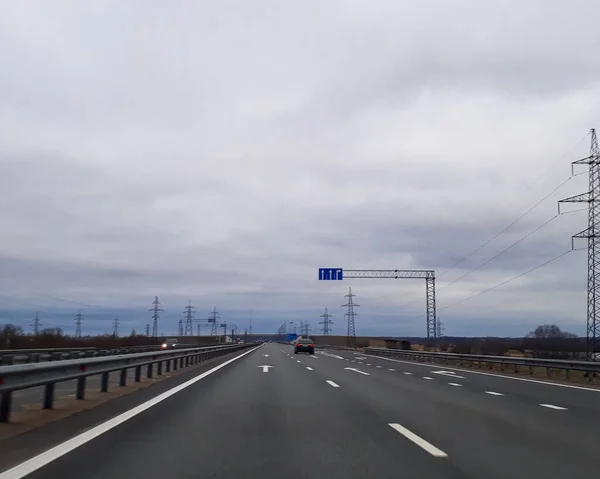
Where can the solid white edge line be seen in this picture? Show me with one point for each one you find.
(430, 448)
(552, 406)
(331, 383)
(46, 457)
(489, 374)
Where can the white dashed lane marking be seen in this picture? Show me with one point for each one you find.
(419, 441)
(552, 406)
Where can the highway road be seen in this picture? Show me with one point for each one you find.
(272, 414)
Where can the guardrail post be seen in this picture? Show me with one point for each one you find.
(530, 369)
(123, 378)
(89, 354)
(36, 357)
(8, 360)
(149, 371)
(138, 374)
(159, 368)
(49, 396)
(104, 385)
(175, 364)
(81, 388)
(56, 356)
(181, 362)
(5, 403)
(168, 365)
(567, 373)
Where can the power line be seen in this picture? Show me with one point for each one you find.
(507, 281)
(504, 250)
(508, 227)
(526, 212)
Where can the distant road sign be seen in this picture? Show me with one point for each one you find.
(331, 274)
(291, 337)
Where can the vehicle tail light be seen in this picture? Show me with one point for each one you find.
(311, 345)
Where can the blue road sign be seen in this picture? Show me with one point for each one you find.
(291, 337)
(331, 274)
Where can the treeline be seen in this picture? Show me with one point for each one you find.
(13, 337)
(546, 341)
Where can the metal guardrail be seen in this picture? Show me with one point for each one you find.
(25, 376)
(567, 365)
(20, 356)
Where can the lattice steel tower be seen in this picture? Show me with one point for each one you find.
(351, 337)
(155, 309)
(212, 319)
(36, 324)
(326, 322)
(189, 317)
(591, 233)
(78, 321)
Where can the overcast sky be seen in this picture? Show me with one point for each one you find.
(221, 152)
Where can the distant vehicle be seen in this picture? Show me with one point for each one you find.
(170, 343)
(304, 345)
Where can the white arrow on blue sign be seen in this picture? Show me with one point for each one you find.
(331, 274)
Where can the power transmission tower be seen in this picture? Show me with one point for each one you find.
(439, 328)
(212, 319)
(326, 322)
(115, 327)
(78, 321)
(350, 315)
(189, 317)
(147, 329)
(155, 310)
(592, 234)
(36, 324)
(180, 330)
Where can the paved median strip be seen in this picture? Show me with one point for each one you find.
(331, 383)
(422, 443)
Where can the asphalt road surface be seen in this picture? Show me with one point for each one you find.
(273, 414)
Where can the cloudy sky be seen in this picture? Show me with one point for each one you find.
(221, 152)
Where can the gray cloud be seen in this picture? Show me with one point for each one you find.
(221, 154)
